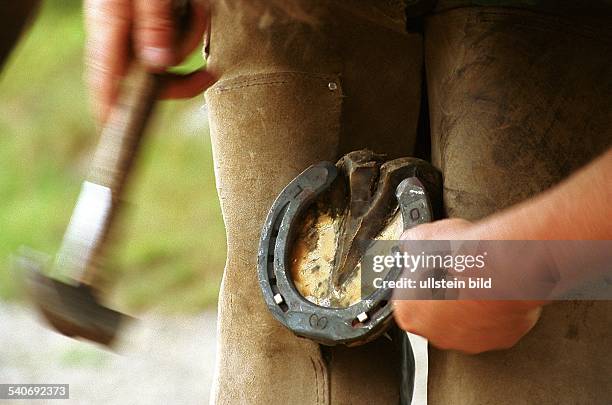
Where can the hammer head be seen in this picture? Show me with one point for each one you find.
(72, 310)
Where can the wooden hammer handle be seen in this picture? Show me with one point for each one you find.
(121, 135)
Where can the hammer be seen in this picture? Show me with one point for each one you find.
(72, 305)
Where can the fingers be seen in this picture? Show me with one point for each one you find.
(154, 33)
(468, 326)
(185, 86)
(107, 25)
(159, 42)
(118, 30)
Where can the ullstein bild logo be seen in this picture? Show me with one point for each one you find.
(433, 283)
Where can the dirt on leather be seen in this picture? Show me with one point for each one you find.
(160, 359)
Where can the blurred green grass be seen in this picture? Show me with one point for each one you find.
(169, 248)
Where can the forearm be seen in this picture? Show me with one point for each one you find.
(579, 208)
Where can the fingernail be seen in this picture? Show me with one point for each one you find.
(158, 57)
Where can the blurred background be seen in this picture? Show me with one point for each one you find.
(168, 252)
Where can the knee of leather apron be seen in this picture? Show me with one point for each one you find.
(363, 45)
(262, 137)
(518, 101)
(258, 148)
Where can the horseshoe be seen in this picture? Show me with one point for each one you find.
(411, 184)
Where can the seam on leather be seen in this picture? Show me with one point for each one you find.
(259, 79)
(316, 373)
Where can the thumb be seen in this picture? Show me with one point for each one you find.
(445, 229)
